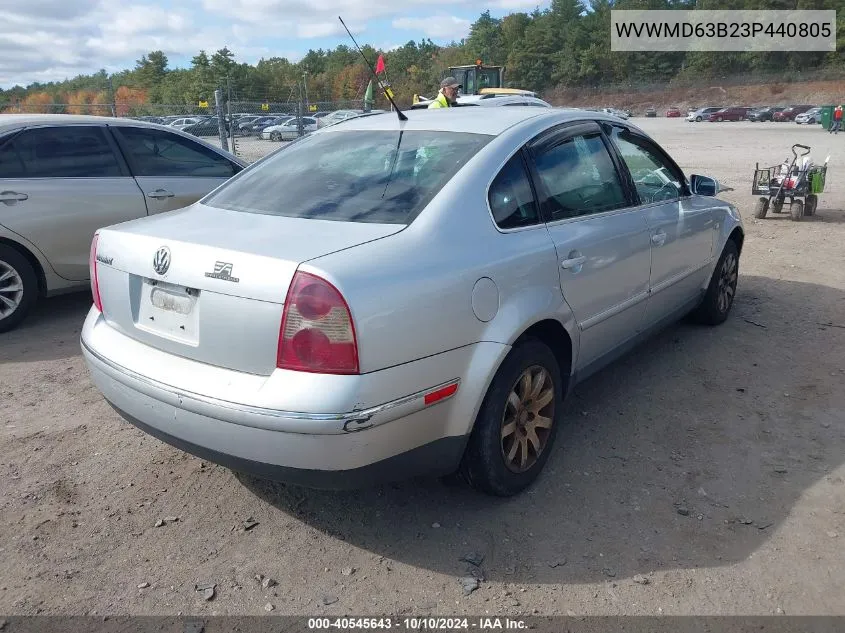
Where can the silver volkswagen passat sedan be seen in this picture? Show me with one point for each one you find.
(389, 298)
(64, 176)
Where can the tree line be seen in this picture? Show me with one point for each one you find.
(564, 46)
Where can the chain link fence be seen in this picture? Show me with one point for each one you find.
(249, 129)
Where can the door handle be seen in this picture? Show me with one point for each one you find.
(574, 262)
(659, 238)
(160, 194)
(11, 197)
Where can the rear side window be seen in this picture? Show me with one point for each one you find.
(160, 153)
(352, 176)
(579, 178)
(59, 152)
(511, 198)
(11, 165)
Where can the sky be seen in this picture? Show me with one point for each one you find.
(52, 40)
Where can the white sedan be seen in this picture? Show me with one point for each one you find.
(289, 130)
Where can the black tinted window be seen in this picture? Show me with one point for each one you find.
(511, 198)
(352, 176)
(579, 178)
(11, 165)
(161, 153)
(59, 152)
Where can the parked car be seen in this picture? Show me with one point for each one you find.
(763, 114)
(209, 126)
(615, 112)
(496, 100)
(789, 114)
(326, 318)
(336, 116)
(701, 113)
(289, 130)
(734, 113)
(183, 122)
(255, 126)
(673, 112)
(811, 116)
(650, 112)
(63, 176)
(259, 127)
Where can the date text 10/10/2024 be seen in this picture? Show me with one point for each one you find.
(418, 624)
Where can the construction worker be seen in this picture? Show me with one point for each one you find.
(448, 95)
(836, 124)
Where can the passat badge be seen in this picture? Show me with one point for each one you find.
(161, 262)
(222, 271)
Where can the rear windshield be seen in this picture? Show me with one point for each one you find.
(352, 176)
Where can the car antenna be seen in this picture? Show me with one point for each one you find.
(399, 112)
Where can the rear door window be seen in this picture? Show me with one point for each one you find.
(579, 178)
(153, 152)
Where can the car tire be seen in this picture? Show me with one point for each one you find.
(698, 119)
(811, 204)
(796, 210)
(719, 297)
(485, 465)
(275, 136)
(719, 119)
(18, 288)
(761, 208)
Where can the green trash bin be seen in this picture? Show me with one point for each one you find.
(827, 116)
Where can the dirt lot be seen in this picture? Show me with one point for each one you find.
(708, 463)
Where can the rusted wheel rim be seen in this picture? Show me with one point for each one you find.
(528, 419)
(727, 282)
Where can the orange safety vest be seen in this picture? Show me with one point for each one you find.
(837, 113)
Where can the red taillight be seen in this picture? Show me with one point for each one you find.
(92, 267)
(317, 333)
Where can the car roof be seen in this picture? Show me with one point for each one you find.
(13, 121)
(17, 120)
(494, 122)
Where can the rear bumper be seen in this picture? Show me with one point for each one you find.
(439, 457)
(398, 438)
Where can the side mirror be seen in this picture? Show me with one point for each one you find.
(704, 186)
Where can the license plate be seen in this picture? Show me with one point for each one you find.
(169, 310)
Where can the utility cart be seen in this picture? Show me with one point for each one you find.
(801, 181)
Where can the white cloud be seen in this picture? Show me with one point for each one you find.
(441, 27)
(47, 40)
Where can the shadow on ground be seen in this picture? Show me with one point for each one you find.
(50, 332)
(689, 452)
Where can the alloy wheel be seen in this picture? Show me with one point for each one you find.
(11, 290)
(528, 418)
(727, 282)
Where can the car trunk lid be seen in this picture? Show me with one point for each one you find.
(210, 284)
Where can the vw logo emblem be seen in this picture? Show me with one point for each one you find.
(161, 262)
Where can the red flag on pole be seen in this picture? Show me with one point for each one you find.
(380, 64)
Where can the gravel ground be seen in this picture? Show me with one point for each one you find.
(701, 474)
